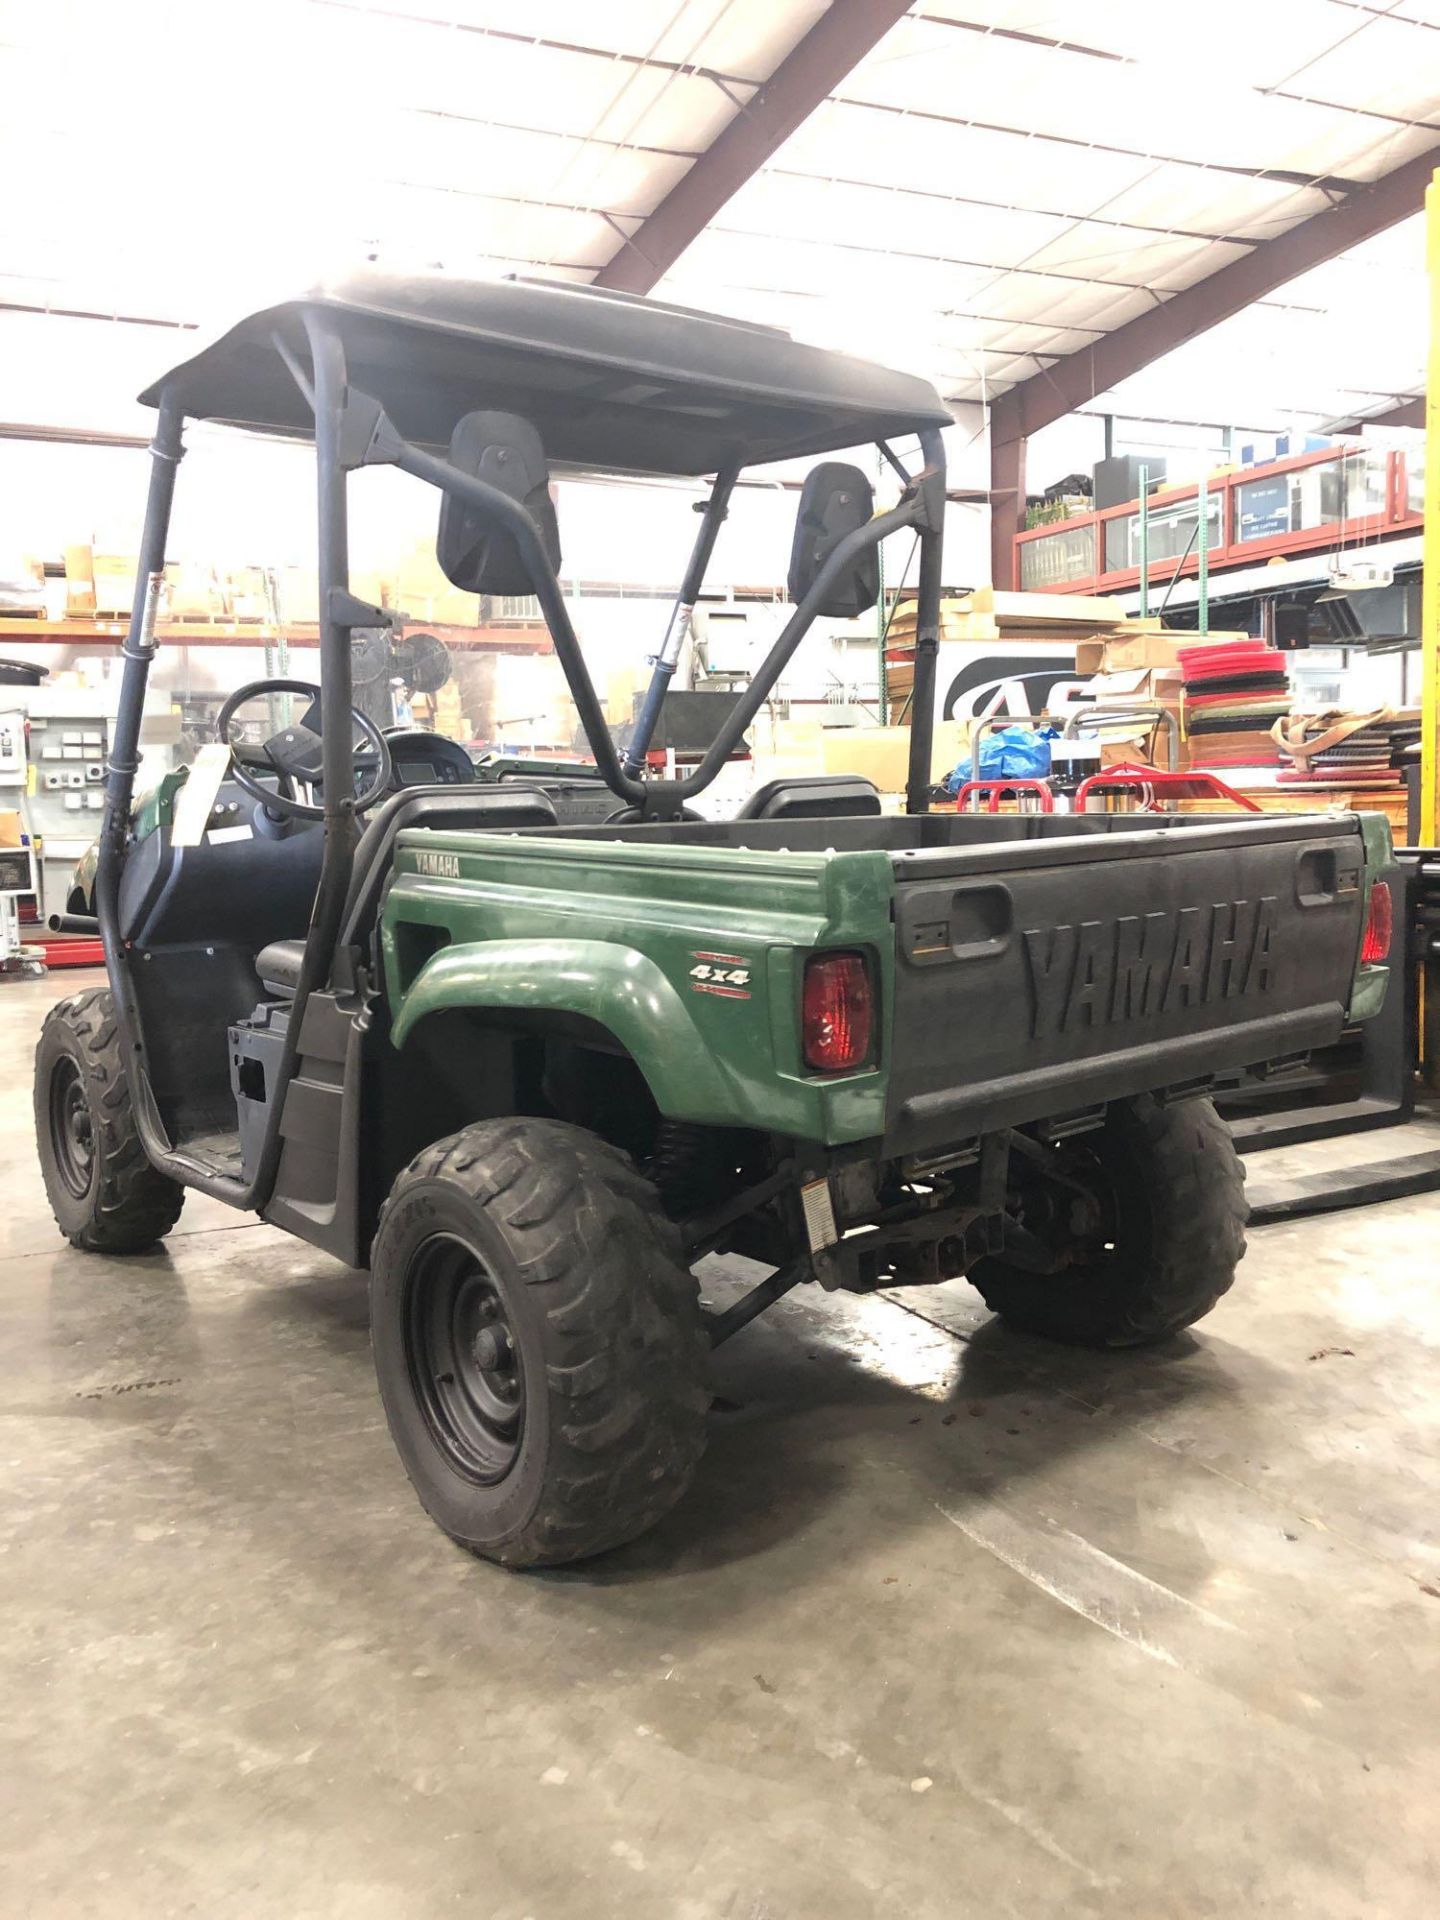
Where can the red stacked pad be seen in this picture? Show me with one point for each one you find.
(1229, 658)
(1235, 690)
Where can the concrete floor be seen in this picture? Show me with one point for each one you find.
(953, 1623)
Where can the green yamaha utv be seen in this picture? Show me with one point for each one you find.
(531, 1073)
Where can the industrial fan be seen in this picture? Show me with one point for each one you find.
(381, 666)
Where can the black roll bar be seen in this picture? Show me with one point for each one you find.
(138, 650)
(351, 430)
(327, 358)
(390, 449)
(927, 629)
(682, 613)
(841, 557)
(923, 506)
(329, 399)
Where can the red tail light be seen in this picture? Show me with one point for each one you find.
(837, 1012)
(1379, 926)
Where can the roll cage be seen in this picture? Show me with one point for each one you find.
(378, 372)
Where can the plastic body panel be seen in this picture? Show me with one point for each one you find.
(690, 957)
(1032, 966)
(667, 390)
(317, 1184)
(256, 1045)
(1042, 981)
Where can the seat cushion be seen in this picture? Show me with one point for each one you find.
(278, 965)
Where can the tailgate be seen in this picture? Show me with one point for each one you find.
(1038, 977)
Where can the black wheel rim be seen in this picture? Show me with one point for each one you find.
(465, 1363)
(72, 1132)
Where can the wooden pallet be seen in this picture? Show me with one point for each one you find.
(984, 614)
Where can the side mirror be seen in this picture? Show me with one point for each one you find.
(834, 501)
(475, 553)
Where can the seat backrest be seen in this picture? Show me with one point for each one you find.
(812, 796)
(482, 809)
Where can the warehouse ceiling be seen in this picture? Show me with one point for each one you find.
(994, 186)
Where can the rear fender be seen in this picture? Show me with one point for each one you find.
(613, 985)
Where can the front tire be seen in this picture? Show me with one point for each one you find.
(1159, 1195)
(538, 1342)
(105, 1195)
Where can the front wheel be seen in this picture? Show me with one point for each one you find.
(104, 1193)
(538, 1342)
(1145, 1222)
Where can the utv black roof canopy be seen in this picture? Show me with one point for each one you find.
(608, 380)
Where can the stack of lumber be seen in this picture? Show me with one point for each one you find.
(1089, 627)
(988, 616)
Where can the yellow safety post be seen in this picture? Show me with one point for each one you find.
(1430, 601)
(1430, 635)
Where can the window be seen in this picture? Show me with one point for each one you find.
(512, 609)
(1065, 555)
(1173, 533)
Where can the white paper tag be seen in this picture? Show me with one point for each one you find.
(196, 799)
(150, 612)
(820, 1229)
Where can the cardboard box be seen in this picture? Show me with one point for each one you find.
(1138, 687)
(1139, 643)
(882, 754)
(245, 594)
(421, 591)
(79, 583)
(1116, 653)
(299, 592)
(190, 592)
(450, 716)
(784, 749)
(114, 576)
(620, 691)
(1146, 687)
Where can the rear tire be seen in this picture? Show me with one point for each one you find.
(538, 1342)
(1169, 1189)
(105, 1195)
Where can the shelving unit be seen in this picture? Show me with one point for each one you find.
(256, 633)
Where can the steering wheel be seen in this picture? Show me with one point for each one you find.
(296, 754)
(628, 816)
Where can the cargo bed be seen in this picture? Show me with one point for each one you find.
(1047, 964)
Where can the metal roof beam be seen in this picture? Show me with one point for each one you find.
(1404, 413)
(1080, 376)
(808, 75)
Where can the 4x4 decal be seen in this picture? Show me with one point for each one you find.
(724, 974)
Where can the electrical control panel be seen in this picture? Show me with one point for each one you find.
(12, 749)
